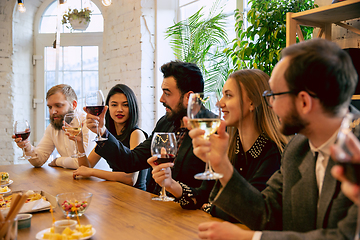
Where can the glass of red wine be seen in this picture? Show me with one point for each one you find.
(164, 147)
(22, 130)
(345, 147)
(94, 104)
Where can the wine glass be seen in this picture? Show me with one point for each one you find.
(349, 129)
(22, 130)
(204, 112)
(72, 125)
(95, 103)
(164, 147)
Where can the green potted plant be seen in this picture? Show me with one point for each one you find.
(259, 45)
(201, 39)
(78, 20)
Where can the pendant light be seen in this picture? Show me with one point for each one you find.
(21, 6)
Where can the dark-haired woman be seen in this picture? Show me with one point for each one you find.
(121, 120)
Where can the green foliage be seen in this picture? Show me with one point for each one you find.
(202, 39)
(259, 45)
(84, 13)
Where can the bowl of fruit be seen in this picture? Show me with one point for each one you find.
(74, 204)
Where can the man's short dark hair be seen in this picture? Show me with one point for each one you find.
(322, 68)
(188, 76)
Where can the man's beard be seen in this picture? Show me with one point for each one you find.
(292, 123)
(57, 124)
(176, 114)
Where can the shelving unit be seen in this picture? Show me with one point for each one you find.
(323, 18)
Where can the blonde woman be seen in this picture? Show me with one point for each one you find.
(255, 141)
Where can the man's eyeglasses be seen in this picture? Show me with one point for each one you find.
(269, 96)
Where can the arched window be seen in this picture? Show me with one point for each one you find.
(78, 57)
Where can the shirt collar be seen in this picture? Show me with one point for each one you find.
(325, 147)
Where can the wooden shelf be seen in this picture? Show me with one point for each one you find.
(355, 97)
(323, 18)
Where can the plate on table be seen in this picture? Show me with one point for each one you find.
(7, 184)
(37, 201)
(40, 234)
(4, 190)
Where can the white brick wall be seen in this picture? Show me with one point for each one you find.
(16, 72)
(129, 54)
(6, 84)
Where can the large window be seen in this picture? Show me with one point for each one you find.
(76, 62)
(78, 67)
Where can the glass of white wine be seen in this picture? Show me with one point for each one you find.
(72, 125)
(204, 112)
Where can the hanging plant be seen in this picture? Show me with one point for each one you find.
(78, 20)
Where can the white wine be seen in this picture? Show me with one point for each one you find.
(74, 131)
(210, 125)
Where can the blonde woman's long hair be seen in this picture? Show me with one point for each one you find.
(254, 82)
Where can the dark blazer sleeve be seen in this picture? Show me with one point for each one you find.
(279, 207)
(121, 158)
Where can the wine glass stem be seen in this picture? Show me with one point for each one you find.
(97, 130)
(24, 156)
(76, 147)
(163, 190)
(357, 232)
(208, 167)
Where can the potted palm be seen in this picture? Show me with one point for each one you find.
(78, 20)
(201, 39)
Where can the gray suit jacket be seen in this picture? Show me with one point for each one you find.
(290, 205)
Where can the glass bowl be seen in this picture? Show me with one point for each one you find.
(70, 201)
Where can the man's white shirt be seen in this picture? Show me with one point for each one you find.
(57, 139)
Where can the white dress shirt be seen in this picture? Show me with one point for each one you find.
(323, 159)
(57, 139)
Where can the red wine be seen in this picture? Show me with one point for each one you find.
(352, 171)
(23, 135)
(165, 159)
(94, 110)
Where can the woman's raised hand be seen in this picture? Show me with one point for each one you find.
(161, 172)
(213, 149)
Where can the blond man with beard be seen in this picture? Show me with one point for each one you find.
(61, 99)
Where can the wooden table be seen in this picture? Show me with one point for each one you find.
(117, 211)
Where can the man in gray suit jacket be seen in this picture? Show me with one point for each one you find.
(311, 89)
